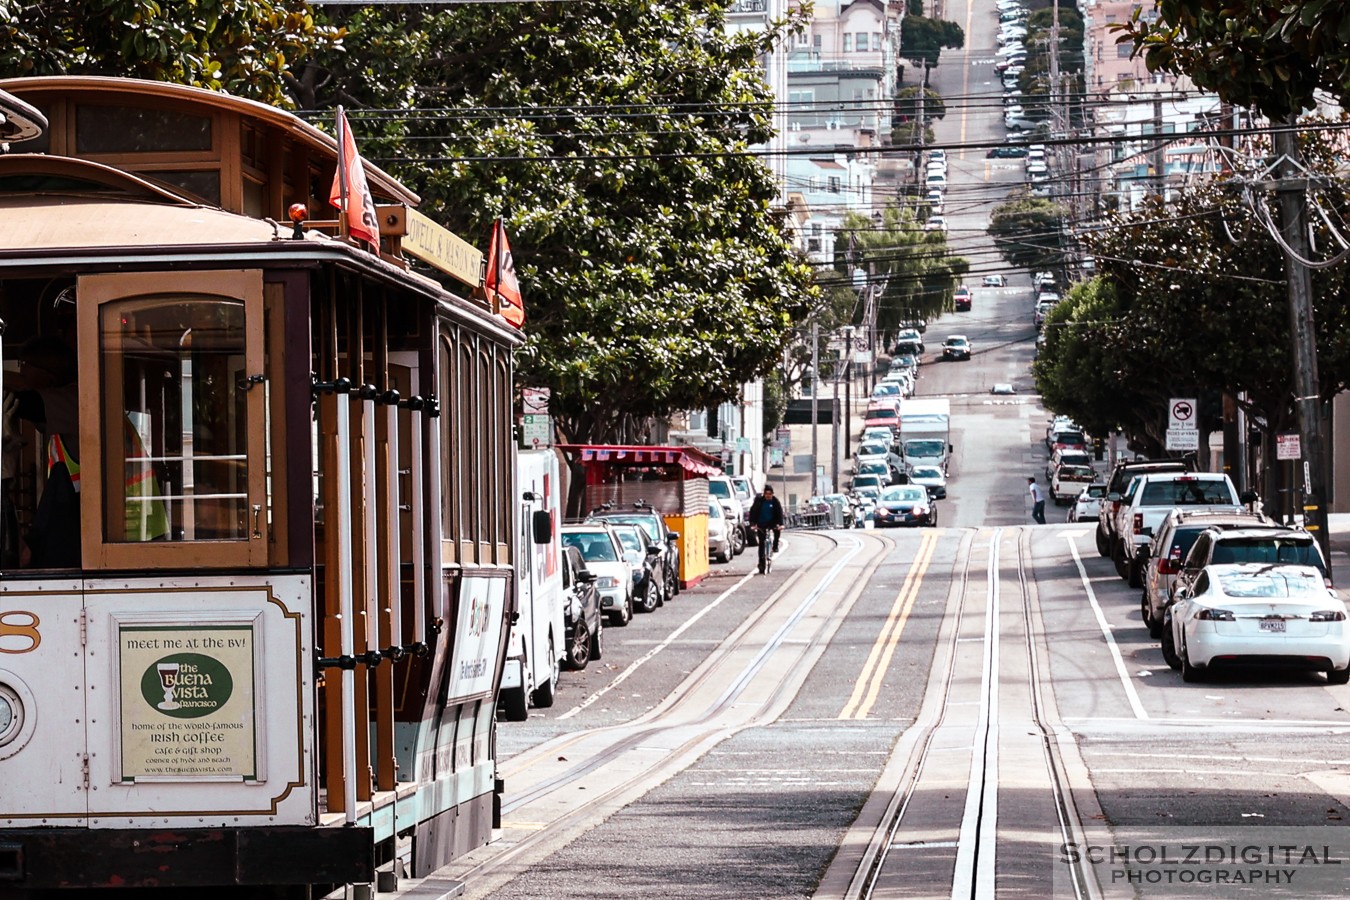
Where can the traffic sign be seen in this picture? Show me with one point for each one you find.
(1287, 446)
(536, 401)
(1183, 439)
(1181, 414)
(536, 432)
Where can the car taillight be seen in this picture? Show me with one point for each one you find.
(1167, 567)
(1327, 615)
(1138, 523)
(1215, 615)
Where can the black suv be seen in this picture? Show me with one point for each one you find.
(1120, 479)
(654, 524)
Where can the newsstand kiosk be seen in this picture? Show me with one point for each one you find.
(672, 480)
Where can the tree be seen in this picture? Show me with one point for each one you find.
(1190, 299)
(909, 265)
(1270, 56)
(654, 261)
(1028, 231)
(910, 112)
(243, 47)
(922, 40)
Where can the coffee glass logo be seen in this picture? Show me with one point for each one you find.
(187, 685)
(478, 616)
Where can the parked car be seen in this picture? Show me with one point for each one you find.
(962, 298)
(875, 451)
(583, 622)
(995, 281)
(1066, 438)
(1068, 482)
(1246, 613)
(644, 558)
(905, 361)
(956, 347)
(931, 478)
(655, 525)
(1004, 388)
(1149, 499)
(599, 548)
(1116, 484)
(1256, 542)
(906, 504)
(888, 389)
(1088, 504)
(1006, 151)
(1167, 551)
(878, 434)
(719, 533)
(723, 491)
(1067, 456)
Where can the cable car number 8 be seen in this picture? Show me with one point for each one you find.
(21, 625)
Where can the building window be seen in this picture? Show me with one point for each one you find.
(848, 43)
(862, 41)
(876, 40)
(834, 184)
(817, 41)
(1123, 51)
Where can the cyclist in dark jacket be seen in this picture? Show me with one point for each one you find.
(765, 513)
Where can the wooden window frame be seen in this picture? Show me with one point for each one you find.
(95, 292)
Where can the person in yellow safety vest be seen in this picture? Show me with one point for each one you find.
(146, 518)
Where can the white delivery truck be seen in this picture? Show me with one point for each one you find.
(537, 643)
(925, 431)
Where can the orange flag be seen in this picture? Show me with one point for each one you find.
(501, 285)
(350, 193)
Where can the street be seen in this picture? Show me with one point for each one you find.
(969, 711)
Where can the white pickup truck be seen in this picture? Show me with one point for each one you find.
(1148, 500)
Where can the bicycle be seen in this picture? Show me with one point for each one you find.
(767, 539)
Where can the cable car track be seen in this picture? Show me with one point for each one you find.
(727, 693)
(973, 874)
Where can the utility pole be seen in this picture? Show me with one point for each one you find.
(834, 435)
(1159, 150)
(1291, 188)
(815, 404)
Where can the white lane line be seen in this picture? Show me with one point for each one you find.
(637, 663)
(974, 875)
(1130, 693)
(1129, 725)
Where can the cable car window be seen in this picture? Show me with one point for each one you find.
(121, 129)
(176, 389)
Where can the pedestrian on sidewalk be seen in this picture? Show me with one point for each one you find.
(1037, 502)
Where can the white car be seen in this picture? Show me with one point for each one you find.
(722, 490)
(995, 281)
(613, 576)
(935, 223)
(719, 538)
(1259, 613)
(1088, 505)
(930, 478)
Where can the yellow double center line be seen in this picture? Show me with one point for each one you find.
(868, 688)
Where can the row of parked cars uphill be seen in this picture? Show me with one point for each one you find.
(1221, 585)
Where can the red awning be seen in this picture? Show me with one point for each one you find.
(691, 459)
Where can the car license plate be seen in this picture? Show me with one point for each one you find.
(1274, 625)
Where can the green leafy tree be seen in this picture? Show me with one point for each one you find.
(1273, 57)
(1190, 298)
(911, 267)
(1028, 231)
(654, 260)
(910, 112)
(922, 40)
(243, 47)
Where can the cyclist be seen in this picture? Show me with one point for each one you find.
(765, 513)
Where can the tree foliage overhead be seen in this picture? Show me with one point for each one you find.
(242, 47)
(614, 139)
(1270, 56)
(1191, 298)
